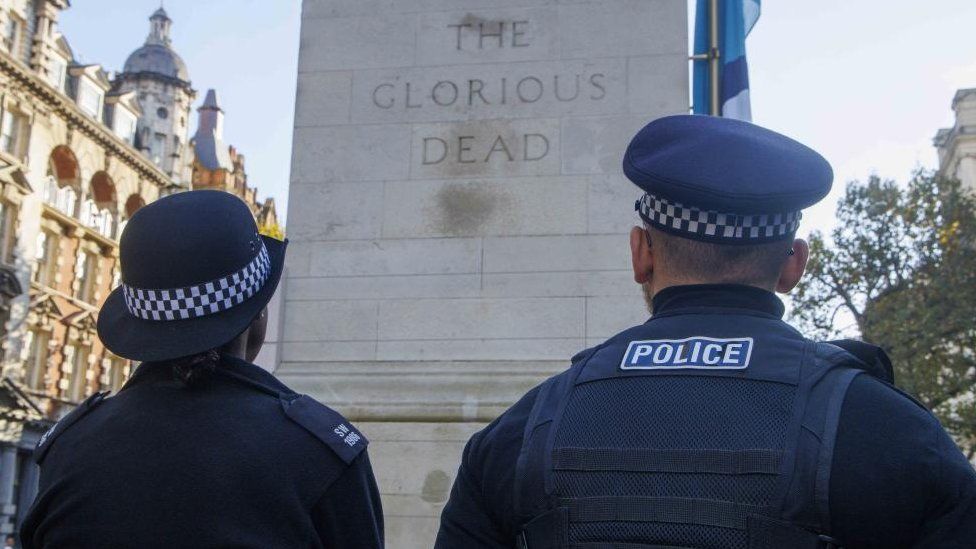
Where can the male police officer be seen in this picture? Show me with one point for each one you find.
(715, 424)
(201, 448)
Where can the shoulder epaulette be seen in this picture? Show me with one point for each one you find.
(48, 438)
(873, 360)
(584, 354)
(325, 424)
(877, 361)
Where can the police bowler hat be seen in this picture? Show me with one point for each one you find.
(195, 274)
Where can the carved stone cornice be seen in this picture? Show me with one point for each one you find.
(73, 227)
(452, 391)
(12, 173)
(62, 106)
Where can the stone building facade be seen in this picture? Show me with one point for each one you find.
(80, 152)
(957, 145)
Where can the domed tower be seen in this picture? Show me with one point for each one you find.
(162, 85)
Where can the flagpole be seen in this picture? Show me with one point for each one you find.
(713, 56)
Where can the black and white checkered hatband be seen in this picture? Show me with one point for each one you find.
(715, 226)
(200, 299)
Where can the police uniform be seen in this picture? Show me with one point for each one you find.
(237, 461)
(228, 457)
(715, 424)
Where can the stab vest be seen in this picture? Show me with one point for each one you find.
(677, 456)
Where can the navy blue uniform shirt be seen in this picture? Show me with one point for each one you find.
(898, 480)
(217, 464)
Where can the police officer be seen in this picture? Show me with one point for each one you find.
(715, 424)
(200, 448)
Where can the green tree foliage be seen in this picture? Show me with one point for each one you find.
(273, 230)
(902, 264)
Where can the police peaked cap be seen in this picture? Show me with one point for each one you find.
(723, 180)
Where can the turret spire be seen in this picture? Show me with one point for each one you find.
(159, 25)
(211, 116)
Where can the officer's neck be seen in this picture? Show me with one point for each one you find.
(237, 348)
(662, 281)
(712, 295)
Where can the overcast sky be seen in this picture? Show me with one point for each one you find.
(865, 82)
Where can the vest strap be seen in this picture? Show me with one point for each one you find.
(648, 460)
(825, 458)
(706, 512)
(602, 545)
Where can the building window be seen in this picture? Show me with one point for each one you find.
(85, 273)
(99, 219)
(8, 220)
(90, 98)
(44, 258)
(12, 34)
(63, 198)
(13, 133)
(74, 373)
(80, 375)
(160, 147)
(67, 368)
(36, 343)
(162, 113)
(115, 372)
(124, 124)
(57, 72)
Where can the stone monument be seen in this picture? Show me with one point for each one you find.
(457, 212)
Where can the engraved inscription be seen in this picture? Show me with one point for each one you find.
(470, 149)
(497, 34)
(491, 90)
(501, 147)
(493, 35)
(504, 90)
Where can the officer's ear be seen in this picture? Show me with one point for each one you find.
(796, 263)
(256, 333)
(640, 255)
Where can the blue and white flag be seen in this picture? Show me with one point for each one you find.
(735, 19)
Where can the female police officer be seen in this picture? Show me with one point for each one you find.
(200, 448)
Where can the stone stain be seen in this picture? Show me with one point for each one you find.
(464, 209)
(436, 487)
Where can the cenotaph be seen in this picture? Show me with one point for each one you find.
(458, 214)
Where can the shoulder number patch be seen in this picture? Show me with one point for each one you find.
(699, 353)
(347, 435)
(326, 425)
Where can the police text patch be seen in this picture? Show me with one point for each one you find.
(700, 353)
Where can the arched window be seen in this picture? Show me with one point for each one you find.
(98, 210)
(132, 205)
(63, 182)
(63, 198)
